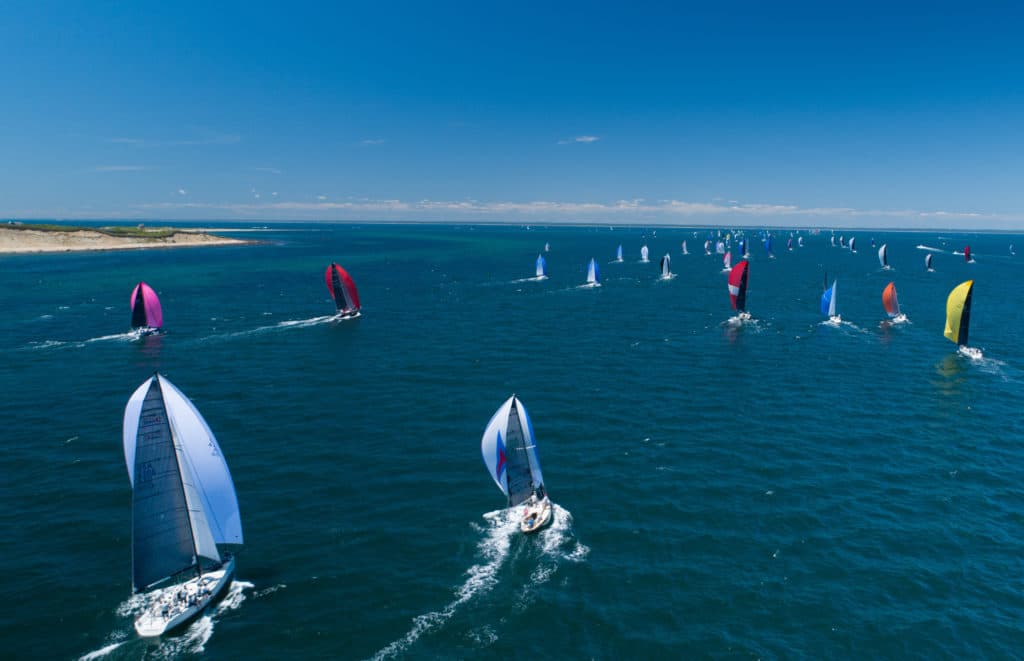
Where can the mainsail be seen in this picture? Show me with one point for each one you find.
(958, 313)
(727, 261)
(685, 251)
(592, 275)
(883, 256)
(618, 254)
(541, 266)
(967, 253)
(853, 244)
(643, 254)
(342, 288)
(146, 312)
(666, 266)
(928, 261)
(889, 300)
(828, 301)
(738, 285)
(510, 452)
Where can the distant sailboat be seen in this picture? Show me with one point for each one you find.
(789, 244)
(828, 304)
(958, 317)
(1012, 250)
(742, 249)
(967, 255)
(618, 254)
(892, 304)
(510, 454)
(799, 242)
(738, 288)
(643, 254)
(547, 247)
(666, 267)
(593, 279)
(720, 247)
(853, 244)
(147, 315)
(727, 261)
(685, 251)
(707, 247)
(833, 240)
(768, 247)
(883, 257)
(343, 291)
(542, 268)
(183, 506)
(928, 262)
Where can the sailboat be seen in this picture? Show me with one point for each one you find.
(707, 247)
(799, 242)
(510, 454)
(768, 247)
(685, 251)
(928, 262)
(738, 289)
(343, 291)
(720, 247)
(593, 279)
(666, 268)
(967, 255)
(828, 304)
(547, 247)
(958, 317)
(727, 261)
(542, 268)
(789, 244)
(618, 254)
(883, 257)
(147, 316)
(833, 240)
(643, 254)
(853, 244)
(183, 506)
(892, 304)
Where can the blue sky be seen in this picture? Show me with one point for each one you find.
(738, 113)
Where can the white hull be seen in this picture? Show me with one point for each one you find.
(970, 352)
(143, 331)
(536, 515)
(179, 604)
(342, 316)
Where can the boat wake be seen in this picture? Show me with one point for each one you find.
(537, 278)
(500, 527)
(929, 248)
(130, 336)
(846, 325)
(282, 325)
(740, 320)
(588, 285)
(191, 640)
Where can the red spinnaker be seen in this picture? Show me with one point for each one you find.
(738, 285)
(342, 288)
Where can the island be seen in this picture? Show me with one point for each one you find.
(19, 237)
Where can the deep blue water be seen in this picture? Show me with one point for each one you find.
(785, 489)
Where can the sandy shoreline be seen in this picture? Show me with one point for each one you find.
(14, 241)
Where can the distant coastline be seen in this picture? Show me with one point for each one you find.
(16, 238)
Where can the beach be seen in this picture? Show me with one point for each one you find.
(22, 240)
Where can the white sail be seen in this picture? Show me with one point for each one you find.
(592, 272)
(643, 254)
(853, 243)
(618, 254)
(800, 242)
(883, 256)
(510, 452)
(203, 456)
(666, 266)
(727, 260)
(832, 303)
(541, 266)
(685, 251)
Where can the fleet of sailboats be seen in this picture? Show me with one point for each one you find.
(509, 451)
(184, 507)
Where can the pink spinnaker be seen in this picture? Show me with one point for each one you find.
(154, 316)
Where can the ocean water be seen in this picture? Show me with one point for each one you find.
(776, 490)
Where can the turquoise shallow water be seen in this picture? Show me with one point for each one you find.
(784, 489)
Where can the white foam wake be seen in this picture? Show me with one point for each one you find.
(281, 325)
(190, 641)
(501, 526)
(929, 248)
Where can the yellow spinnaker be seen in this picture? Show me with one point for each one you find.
(958, 312)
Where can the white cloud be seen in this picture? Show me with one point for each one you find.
(321, 197)
(377, 141)
(580, 138)
(119, 168)
(270, 170)
(208, 138)
(182, 191)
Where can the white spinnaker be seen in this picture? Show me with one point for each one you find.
(492, 445)
(209, 471)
